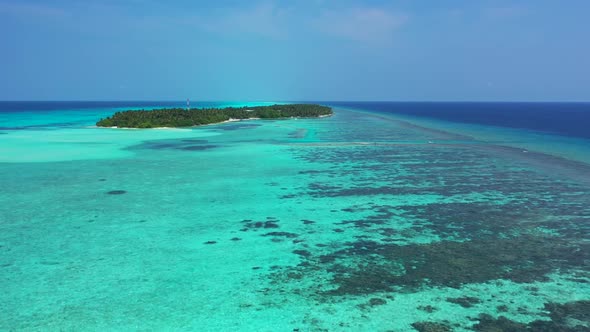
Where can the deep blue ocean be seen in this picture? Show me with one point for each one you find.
(565, 119)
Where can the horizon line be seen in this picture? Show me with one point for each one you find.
(295, 101)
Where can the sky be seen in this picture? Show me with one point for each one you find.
(311, 50)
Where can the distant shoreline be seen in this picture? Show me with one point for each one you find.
(182, 118)
(218, 123)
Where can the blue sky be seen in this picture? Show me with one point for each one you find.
(295, 50)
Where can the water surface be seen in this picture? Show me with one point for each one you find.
(368, 220)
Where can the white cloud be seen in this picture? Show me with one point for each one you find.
(265, 19)
(370, 25)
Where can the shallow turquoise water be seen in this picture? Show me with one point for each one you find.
(354, 222)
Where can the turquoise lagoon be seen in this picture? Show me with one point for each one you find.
(362, 221)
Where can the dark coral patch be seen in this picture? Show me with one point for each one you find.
(295, 276)
(488, 323)
(269, 223)
(568, 317)
(377, 301)
(116, 192)
(427, 308)
(383, 215)
(175, 144)
(303, 253)
(432, 327)
(373, 302)
(281, 234)
(502, 308)
(310, 172)
(198, 147)
(299, 133)
(194, 141)
(465, 302)
(561, 313)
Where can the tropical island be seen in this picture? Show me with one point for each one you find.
(178, 117)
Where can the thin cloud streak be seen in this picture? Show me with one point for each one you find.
(370, 25)
(263, 20)
(366, 25)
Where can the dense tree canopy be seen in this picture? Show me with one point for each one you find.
(178, 117)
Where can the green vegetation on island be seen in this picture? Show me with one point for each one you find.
(178, 117)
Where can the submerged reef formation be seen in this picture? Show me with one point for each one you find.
(572, 316)
(178, 117)
(487, 239)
